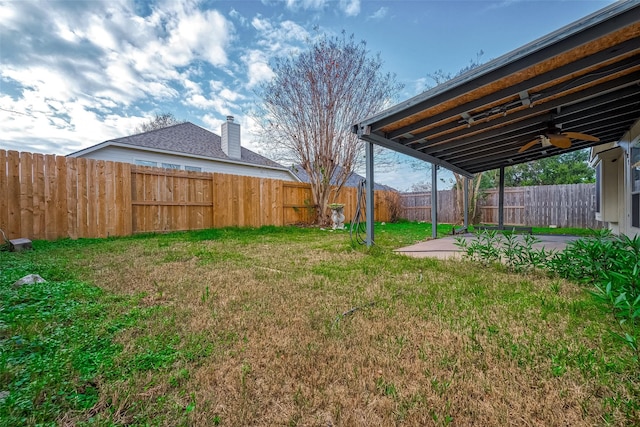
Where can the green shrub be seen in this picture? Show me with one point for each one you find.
(611, 265)
(489, 247)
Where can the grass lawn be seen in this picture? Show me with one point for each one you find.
(294, 326)
(569, 231)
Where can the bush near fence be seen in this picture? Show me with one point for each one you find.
(570, 205)
(51, 197)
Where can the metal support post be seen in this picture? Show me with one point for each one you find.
(369, 189)
(465, 202)
(434, 201)
(501, 200)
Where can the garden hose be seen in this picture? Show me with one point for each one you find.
(358, 230)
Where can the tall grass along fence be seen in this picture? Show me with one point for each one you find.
(571, 205)
(50, 197)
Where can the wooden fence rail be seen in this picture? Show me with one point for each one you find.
(51, 197)
(571, 205)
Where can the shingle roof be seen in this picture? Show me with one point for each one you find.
(188, 138)
(352, 181)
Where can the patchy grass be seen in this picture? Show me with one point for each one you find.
(413, 232)
(563, 231)
(246, 327)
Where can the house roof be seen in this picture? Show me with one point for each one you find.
(352, 180)
(185, 139)
(582, 78)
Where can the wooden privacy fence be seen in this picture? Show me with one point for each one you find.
(417, 206)
(571, 205)
(50, 197)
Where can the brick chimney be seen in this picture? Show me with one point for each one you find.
(231, 138)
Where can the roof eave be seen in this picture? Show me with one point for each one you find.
(492, 67)
(174, 153)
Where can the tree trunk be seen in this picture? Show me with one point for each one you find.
(321, 202)
(474, 196)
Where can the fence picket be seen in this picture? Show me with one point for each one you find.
(4, 192)
(13, 197)
(72, 197)
(26, 193)
(38, 195)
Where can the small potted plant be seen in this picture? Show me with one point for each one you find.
(337, 216)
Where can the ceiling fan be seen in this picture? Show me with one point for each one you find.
(554, 136)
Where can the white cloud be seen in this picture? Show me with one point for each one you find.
(67, 33)
(258, 69)
(238, 17)
(379, 14)
(55, 127)
(202, 35)
(305, 4)
(230, 95)
(199, 101)
(250, 129)
(212, 122)
(191, 86)
(100, 35)
(98, 58)
(279, 37)
(216, 85)
(221, 101)
(420, 85)
(261, 24)
(350, 7)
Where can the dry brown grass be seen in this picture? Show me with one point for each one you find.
(443, 342)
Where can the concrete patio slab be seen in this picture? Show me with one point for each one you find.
(445, 248)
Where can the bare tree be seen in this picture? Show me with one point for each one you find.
(312, 102)
(160, 121)
(420, 187)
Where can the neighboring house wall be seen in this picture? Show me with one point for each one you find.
(132, 155)
(618, 182)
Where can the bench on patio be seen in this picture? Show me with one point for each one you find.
(459, 230)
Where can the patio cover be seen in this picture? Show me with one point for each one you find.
(583, 78)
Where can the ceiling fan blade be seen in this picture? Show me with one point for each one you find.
(582, 136)
(529, 145)
(559, 141)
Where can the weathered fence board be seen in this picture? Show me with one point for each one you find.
(417, 206)
(13, 198)
(4, 191)
(571, 205)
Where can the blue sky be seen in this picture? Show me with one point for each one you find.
(76, 73)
